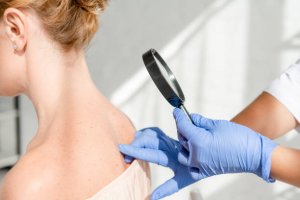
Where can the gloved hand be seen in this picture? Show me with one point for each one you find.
(154, 146)
(212, 147)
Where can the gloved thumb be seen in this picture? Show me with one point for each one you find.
(179, 115)
(184, 125)
(166, 189)
(202, 122)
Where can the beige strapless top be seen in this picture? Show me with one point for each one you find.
(133, 184)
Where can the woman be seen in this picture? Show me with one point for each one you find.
(74, 154)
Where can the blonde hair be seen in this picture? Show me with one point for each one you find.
(71, 23)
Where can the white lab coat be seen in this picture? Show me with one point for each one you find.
(286, 89)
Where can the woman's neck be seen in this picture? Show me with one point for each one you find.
(59, 89)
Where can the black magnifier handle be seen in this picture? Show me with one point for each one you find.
(183, 108)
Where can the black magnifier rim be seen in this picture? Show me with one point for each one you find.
(158, 78)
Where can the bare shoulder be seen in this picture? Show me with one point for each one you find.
(124, 126)
(32, 178)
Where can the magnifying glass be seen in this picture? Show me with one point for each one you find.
(164, 80)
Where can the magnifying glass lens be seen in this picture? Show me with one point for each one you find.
(166, 75)
(164, 79)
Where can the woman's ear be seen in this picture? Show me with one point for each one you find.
(15, 27)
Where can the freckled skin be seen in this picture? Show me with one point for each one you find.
(89, 156)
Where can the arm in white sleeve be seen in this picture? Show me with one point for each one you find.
(286, 89)
(277, 110)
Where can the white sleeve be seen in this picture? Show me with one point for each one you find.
(286, 89)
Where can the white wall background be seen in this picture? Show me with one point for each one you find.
(223, 52)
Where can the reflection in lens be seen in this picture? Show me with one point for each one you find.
(166, 75)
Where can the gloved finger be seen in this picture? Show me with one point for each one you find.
(147, 139)
(140, 140)
(149, 155)
(195, 173)
(153, 130)
(179, 181)
(166, 189)
(129, 159)
(138, 133)
(183, 123)
(183, 157)
(203, 122)
(183, 141)
(157, 139)
(154, 133)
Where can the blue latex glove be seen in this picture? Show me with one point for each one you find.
(154, 146)
(213, 147)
